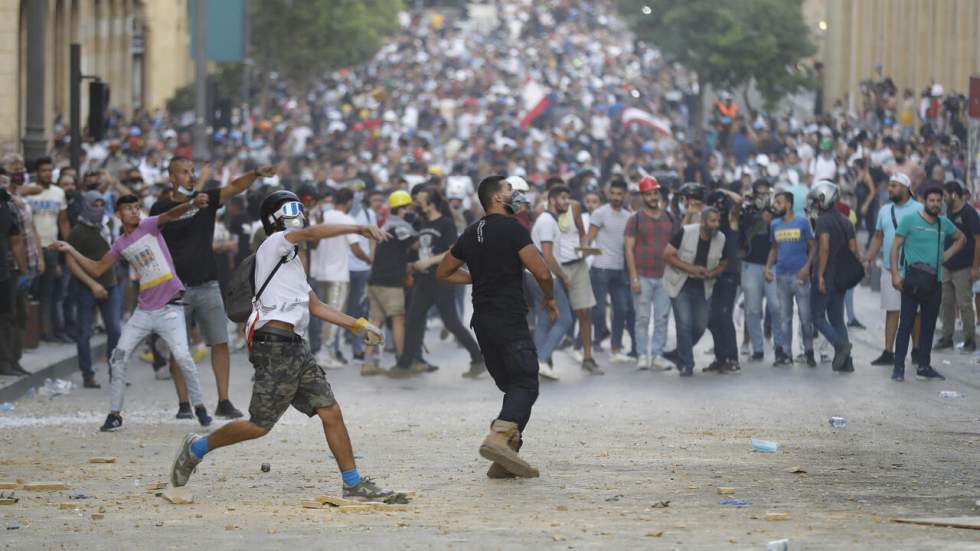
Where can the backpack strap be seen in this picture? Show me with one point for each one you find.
(268, 278)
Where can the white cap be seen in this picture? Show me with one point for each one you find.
(583, 156)
(901, 178)
(517, 183)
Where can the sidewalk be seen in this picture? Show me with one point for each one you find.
(50, 360)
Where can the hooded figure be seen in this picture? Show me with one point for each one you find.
(91, 214)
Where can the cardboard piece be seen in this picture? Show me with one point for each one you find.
(45, 486)
(178, 496)
(969, 523)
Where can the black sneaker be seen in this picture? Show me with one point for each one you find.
(591, 367)
(340, 357)
(842, 353)
(227, 410)
(848, 366)
(915, 353)
(398, 372)
(112, 423)
(184, 411)
(359, 356)
(716, 366)
(898, 375)
(855, 324)
(928, 374)
(943, 344)
(686, 372)
(782, 360)
(969, 346)
(202, 415)
(731, 367)
(811, 361)
(758, 357)
(90, 383)
(476, 369)
(886, 358)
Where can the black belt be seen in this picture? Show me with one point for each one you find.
(265, 336)
(570, 262)
(177, 300)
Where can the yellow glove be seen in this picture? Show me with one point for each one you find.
(372, 335)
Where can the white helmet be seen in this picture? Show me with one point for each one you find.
(823, 195)
(518, 184)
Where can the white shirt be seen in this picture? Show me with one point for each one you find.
(823, 168)
(328, 261)
(46, 207)
(287, 297)
(545, 229)
(611, 238)
(366, 217)
(568, 241)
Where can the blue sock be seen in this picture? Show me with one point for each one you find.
(351, 477)
(200, 447)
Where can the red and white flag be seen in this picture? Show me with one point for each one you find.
(633, 115)
(535, 101)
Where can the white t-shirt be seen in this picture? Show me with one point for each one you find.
(328, 261)
(287, 297)
(823, 169)
(545, 229)
(365, 217)
(569, 240)
(46, 207)
(611, 239)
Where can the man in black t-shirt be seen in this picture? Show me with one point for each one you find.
(496, 250)
(190, 239)
(961, 270)
(437, 232)
(11, 244)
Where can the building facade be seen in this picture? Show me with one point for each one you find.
(140, 48)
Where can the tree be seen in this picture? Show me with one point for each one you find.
(303, 39)
(731, 43)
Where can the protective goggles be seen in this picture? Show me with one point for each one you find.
(292, 209)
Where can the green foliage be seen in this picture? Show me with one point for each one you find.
(303, 39)
(228, 78)
(729, 43)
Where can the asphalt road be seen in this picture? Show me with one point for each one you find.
(611, 450)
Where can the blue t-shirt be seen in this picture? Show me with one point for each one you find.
(887, 227)
(921, 244)
(790, 239)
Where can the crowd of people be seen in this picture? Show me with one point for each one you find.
(640, 217)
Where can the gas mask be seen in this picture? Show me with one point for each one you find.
(517, 198)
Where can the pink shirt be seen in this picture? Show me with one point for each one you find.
(147, 252)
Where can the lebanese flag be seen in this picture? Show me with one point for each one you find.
(536, 102)
(633, 115)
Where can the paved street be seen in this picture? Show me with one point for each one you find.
(609, 449)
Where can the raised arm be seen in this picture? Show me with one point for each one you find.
(324, 231)
(243, 182)
(201, 201)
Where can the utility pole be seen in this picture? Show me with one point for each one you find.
(75, 107)
(201, 152)
(35, 141)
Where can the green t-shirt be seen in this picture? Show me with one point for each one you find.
(920, 239)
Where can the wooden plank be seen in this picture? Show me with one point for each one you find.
(45, 486)
(8, 485)
(102, 460)
(970, 523)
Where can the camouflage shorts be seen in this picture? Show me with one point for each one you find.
(286, 374)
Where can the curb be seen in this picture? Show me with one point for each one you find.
(60, 369)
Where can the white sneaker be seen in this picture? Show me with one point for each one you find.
(643, 363)
(162, 374)
(547, 371)
(662, 363)
(575, 354)
(326, 360)
(619, 357)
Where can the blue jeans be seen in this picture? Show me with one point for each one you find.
(691, 316)
(111, 310)
(790, 288)
(548, 335)
(849, 305)
(616, 284)
(755, 287)
(357, 304)
(928, 312)
(652, 295)
(722, 322)
(828, 315)
(49, 295)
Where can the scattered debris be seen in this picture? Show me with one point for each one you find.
(778, 545)
(13, 527)
(796, 470)
(971, 523)
(838, 422)
(45, 486)
(661, 504)
(231, 527)
(777, 516)
(394, 503)
(767, 446)
(102, 460)
(950, 394)
(266, 467)
(98, 516)
(654, 534)
(178, 496)
(8, 485)
(615, 498)
(726, 491)
(736, 502)
(159, 485)
(6, 406)
(8, 499)
(55, 387)
(67, 506)
(78, 496)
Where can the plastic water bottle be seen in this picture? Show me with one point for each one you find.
(6, 406)
(764, 445)
(949, 394)
(838, 422)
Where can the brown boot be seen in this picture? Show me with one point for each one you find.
(495, 470)
(496, 448)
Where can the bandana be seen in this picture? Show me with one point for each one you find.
(91, 214)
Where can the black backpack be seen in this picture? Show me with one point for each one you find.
(240, 295)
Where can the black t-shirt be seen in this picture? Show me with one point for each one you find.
(968, 222)
(391, 256)
(75, 204)
(490, 250)
(8, 228)
(701, 257)
(89, 242)
(756, 239)
(840, 230)
(435, 238)
(190, 239)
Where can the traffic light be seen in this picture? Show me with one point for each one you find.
(98, 108)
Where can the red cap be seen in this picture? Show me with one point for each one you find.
(649, 183)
